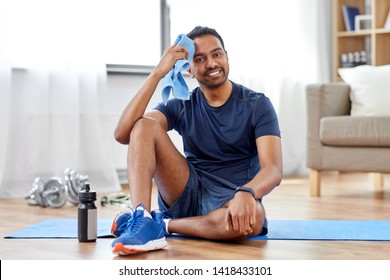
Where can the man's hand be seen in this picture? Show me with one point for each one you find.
(169, 58)
(241, 213)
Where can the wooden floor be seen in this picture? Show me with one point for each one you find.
(344, 196)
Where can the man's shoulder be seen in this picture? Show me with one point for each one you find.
(242, 92)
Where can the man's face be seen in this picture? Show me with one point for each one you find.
(210, 64)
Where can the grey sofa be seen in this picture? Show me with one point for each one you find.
(338, 141)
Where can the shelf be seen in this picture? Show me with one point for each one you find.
(363, 32)
(354, 33)
(375, 42)
(382, 31)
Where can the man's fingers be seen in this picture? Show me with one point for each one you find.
(228, 221)
(247, 228)
(252, 221)
(240, 223)
(231, 222)
(182, 51)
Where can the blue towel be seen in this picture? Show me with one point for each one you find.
(174, 79)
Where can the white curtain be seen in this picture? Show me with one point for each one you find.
(276, 47)
(51, 81)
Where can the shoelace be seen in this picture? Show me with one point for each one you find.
(133, 223)
(123, 226)
(159, 216)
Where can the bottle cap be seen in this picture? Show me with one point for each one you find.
(86, 194)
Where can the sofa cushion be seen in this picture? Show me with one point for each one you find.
(355, 131)
(370, 89)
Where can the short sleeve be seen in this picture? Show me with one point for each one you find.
(171, 111)
(265, 118)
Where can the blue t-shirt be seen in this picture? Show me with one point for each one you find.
(222, 140)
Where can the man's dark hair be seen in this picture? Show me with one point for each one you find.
(200, 31)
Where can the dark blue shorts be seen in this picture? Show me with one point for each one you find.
(203, 193)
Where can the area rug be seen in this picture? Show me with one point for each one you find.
(353, 230)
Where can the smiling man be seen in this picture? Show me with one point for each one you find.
(232, 155)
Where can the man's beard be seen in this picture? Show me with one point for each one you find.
(215, 83)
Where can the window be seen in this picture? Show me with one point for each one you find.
(116, 31)
(133, 33)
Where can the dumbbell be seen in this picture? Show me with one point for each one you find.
(74, 183)
(55, 193)
(48, 194)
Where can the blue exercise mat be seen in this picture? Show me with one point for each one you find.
(61, 228)
(353, 230)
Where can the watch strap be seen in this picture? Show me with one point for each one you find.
(246, 189)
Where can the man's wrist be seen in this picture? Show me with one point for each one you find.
(246, 189)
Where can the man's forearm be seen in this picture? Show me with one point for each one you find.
(265, 181)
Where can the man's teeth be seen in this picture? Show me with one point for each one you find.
(213, 73)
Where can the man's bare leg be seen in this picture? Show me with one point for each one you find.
(152, 154)
(213, 225)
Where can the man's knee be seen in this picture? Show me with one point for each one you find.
(146, 124)
(145, 127)
(258, 227)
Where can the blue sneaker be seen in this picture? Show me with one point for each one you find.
(141, 234)
(160, 217)
(120, 220)
(119, 223)
(157, 216)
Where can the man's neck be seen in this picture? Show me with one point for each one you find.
(217, 96)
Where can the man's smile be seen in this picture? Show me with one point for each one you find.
(214, 73)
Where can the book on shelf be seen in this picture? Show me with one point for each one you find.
(349, 13)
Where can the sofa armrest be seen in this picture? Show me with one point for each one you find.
(323, 100)
(328, 100)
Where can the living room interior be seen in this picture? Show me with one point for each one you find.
(64, 85)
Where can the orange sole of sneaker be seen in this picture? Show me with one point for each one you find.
(113, 228)
(120, 249)
(114, 225)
